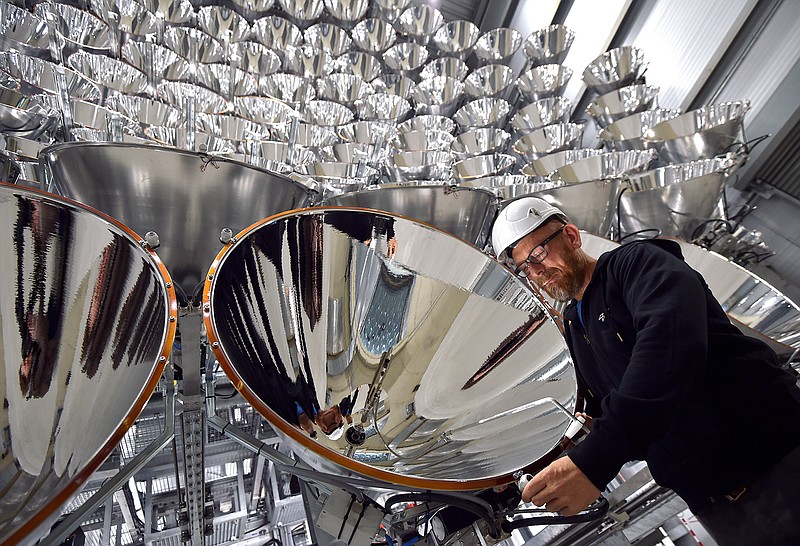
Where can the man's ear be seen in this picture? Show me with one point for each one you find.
(573, 235)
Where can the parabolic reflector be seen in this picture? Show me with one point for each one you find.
(85, 315)
(186, 198)
(450, 369)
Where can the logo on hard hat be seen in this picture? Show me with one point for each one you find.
(534, 212)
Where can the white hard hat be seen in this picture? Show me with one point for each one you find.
(518, 219)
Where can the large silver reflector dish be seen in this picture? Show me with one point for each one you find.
(186, 198)
(85, 334)
(753, 304)
(461, 211)
(462, 375)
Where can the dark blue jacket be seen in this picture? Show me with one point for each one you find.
(671, 381)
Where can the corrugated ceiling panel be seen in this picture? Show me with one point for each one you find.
(453, 10)
(683, 40)
(782, 169)
(768, 62)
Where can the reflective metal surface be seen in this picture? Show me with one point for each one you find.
(456, 38)
(549, 45)
(307, 61)
(700, 134)
(628, 133)
(36, 75)
(338, 177)
(419, 165)
(194, 44)
(548, 140)
(542, 112)
(150, 188)
(492, 80)
(91, 115)
(367, 132)
(20, 28)
(178, 137)
(280, 152)
(482, 166)
(615, 68)
(543, 81)
(497, 45)
(326, 113)
(463, 212)
(343, 88)
(487, 140)
(108, 72)
(450, 67)
(309, 136)
(328, 37)
(361, 64)
(163, 62)
(383, 107)
(605, 166)
(252, 9)
(546, 164)
(676, 199)
(24, 116)
(79, 28)
(177, 93)
(439, 95)
(406, 58)
(265, 110)
(86, 330)
(173, 11)
(277, 33)
(432, 139)
(354, 152)
(373, 35)
(302, 12)
(223, 23)
(255, 58)
(217, 78)
(132, 17)
(419, 23)
(749, 300)
(231, 127)
(390, 10)
(427, 122)
(511, 186)
(146, 111)
(289, 88)
(622, 102)
(486, 112)
(589, 205)
(347, 12)
(445, 403)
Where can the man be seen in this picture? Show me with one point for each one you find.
(670, 381)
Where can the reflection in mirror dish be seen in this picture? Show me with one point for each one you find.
(87, 320)
(456, 371)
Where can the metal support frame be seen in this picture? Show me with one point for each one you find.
(71, 522)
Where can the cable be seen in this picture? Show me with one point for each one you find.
(464, 504)
(619, 215)
(596, 510)
(640, 231)
(696, 232)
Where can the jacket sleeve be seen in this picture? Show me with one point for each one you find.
(666, 301)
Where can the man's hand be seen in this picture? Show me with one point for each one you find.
(562, 488)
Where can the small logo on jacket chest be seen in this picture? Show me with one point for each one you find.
(602, 317)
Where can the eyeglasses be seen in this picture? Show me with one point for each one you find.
(536, 256)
